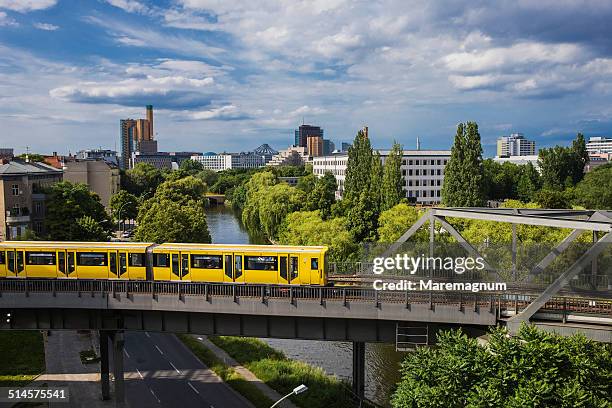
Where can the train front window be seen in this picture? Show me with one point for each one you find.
(261, 263)
(92, 258)
(40, 258)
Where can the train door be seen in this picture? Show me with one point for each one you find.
(20, 263)
(315, 267)
(2, 264)
(61, 264)
(228, 267)
(71, 264)
(175, 266)
(238, 270)
(123, 265)
(283, 268)
(294, 264)
(11, 264)
(113, 265)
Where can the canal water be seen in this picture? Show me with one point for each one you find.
(382, 361)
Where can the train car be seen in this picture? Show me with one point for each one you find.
(273, 264)
(84, 260)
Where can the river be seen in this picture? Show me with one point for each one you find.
(382, 361)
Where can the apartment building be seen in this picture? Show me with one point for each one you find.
(101, 177)
(22, 202)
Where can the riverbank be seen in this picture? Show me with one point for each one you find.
(283, 374)
(22, 354)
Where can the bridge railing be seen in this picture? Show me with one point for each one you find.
(291, 294)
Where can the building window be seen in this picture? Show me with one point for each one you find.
(417, 172)
(410, 162)
(38, 207)
(15, 189)
(38, 227)
(439, 172)
(410, 172)
(417, 162)
(439, 161)
(410, 183)
(432, 163)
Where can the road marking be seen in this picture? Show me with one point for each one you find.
(173, 366)
(193, 388)
(158, 401)
(139, 373)
(158, 349)
(147, 334)
(126, 353)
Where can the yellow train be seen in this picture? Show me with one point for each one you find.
(274, 264)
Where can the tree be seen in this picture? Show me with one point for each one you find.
(595, 190)
(308, 228)
(255, 192)
(393, 181)
(358, 168)
(307, 183)
(209, 177)
(176, 213)
(275, 204)
(32, 157)
(376, 184)
(529, 183)
(549, 198)
(533, 369)
(192, 167)
(124, 206)
(67, 203)
(362, 218)
(393, 223)
(143, 179)
(323, 195)
(563, 167)
(464, 174)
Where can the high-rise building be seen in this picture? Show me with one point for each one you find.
(345, 146)
(328, 147)
(136, 135)
(303, 132)
(314, 145)
(599, 145)
(515, 145)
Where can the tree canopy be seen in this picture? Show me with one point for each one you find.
(392, 181)
(595, 190)
(563, 166)
(143, 179)
(73, 213)
(124, 205)
(533, 369)
(323, 195)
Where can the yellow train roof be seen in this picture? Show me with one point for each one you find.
(74, 245)
(239, 248)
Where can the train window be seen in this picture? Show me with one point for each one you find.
(122, 263)
(161, 260)
(206, 261)
(283, 267)
(113, 262)
(40, 258)
(136, 259)
(19, 261)
(11, 261)
(314, 263)
(228, 266)
(61, 260)
(71, 266)
(261, 263)
(2, 258)
(175, 265)
(92, 258)
(184, 264)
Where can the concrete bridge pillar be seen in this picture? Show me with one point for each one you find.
(104, 365)
(118, 342)
(359, 368)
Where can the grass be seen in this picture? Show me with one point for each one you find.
(227, 373)
(282, 374)
(22, 357)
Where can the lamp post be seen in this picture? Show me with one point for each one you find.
(119, 215)
(297, 390)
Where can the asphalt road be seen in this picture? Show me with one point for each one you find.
(160, 371)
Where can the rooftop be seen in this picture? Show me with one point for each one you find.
(16, 167)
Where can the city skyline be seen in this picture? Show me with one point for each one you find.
(223, 77)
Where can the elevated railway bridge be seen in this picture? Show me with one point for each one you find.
(572, 301)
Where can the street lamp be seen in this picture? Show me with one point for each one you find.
(119, 215)
(297, 390)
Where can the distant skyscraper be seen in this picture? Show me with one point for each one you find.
(515, 145)
(303, 132)
(345, 146)
(328, 147)
(136, 135)
(314, 145)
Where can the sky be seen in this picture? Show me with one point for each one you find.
(230, 75)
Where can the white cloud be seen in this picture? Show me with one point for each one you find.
(27, 5)
(131, 6)
(46, 26)
(6, 21)
(224, 112)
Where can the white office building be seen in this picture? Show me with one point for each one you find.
(515, 145)
(225, 161)
(599, 145)
(519, 160)
(423, 172)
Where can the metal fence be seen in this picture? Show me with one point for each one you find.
(291, 294)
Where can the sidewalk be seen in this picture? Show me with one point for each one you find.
(244, 372)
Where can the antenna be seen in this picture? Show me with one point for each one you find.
(418, 143)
